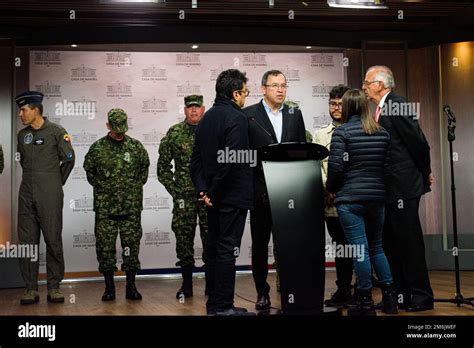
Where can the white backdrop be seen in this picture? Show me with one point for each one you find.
(81, 87)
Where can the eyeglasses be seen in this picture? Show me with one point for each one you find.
(276, 86)
(335, 105)
(366, 83)
(246, 92)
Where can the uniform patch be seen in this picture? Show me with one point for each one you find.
(69, 155)
(67, 139)
(39, 141)
(28, 138)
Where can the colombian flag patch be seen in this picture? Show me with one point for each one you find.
(67, 139)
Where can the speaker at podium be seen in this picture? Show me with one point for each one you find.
(295, 191)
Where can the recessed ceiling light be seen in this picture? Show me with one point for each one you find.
(194, 47)
(74, 45)
(308, 47)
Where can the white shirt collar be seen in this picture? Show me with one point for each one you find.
(268, 109)
(382, 101)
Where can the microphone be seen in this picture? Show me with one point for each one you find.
(254, 120)
(447, 110)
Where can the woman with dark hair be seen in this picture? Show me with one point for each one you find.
(356, 176)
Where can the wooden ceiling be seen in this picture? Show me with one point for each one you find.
(424, 21)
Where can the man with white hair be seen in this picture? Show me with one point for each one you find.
(408, 179)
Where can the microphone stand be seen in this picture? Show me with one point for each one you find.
(458, 298)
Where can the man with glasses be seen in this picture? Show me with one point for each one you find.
(344, 265)
(270, 122)
(409, 178)
(224, 186)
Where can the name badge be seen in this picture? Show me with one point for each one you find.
(39, 141)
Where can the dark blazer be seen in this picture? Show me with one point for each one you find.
(410, 163)
(223, 126)
(261, 133)
(358, 163)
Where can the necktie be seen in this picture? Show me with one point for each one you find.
(378, 110)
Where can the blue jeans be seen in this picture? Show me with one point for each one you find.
(363, 224)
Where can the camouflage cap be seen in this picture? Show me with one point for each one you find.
(118, 120)
(194, 99)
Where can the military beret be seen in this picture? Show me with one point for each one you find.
(118, 120)
(193, 100)
(29, 97)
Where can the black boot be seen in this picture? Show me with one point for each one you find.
(186, 289)
(340, 298)
(364, 304)
(131, 291)
(109, 294)
(389, 299)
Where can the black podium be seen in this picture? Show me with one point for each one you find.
(295, 191)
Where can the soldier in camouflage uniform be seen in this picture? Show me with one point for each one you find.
(117, 168)
(1, 159)
(47, 159)
(177, 146)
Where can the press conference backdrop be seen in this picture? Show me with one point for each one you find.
(81, 87)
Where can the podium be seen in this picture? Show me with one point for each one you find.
(295, 191)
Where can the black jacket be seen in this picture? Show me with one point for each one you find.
(223, 126)
(261, 133)
(410, 152)
(358, 163)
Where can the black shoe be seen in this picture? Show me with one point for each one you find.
(364, 304)
(186, 289)
(131, 290)
(339, 299)
(263, 302)
(234, 311)
(389, 299)
(109, 294)
(378, 306)
(420, 307)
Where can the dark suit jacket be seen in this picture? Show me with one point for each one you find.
(223, 126)
(410, 163)
(261, 133)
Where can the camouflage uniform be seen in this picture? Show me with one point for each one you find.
(117, 170)
(177, 145)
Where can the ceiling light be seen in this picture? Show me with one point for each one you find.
(361, 4)
(194, 47)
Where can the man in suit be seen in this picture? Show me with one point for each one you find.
(270, 122)
(410, 177)
(224, 184)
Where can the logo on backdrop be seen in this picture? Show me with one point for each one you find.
(78, 173)
(119, 90)
(84, 138)
(188, 59)
(322, 60)
(152, 138)
(187, 89)
(84, 240)
(321, 91)
(83, 204)
(157, 237)
(83, 74)
(291, 74)
(49, 90)
(46, 58)
(154, 106)
(255, 90)
(254, 59)
(155, 202)
(118, 59)
(154, 74)
(215, 72)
